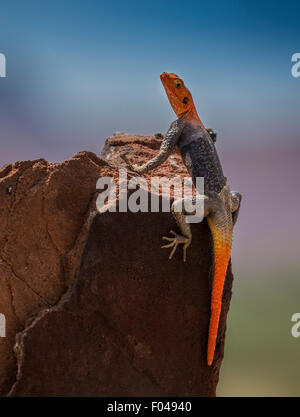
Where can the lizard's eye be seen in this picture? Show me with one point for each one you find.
(177, 84)
(185, 100)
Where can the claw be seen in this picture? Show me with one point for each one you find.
(184, 251)
(175, 241)
(168, 246)
(173, 251)
(170, 239)
(126, 160)
(131, 166)
(124, 157)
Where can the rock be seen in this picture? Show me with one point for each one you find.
(41, 218)
(130, 322)
(140, 148)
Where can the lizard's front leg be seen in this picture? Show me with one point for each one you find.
(167, 146)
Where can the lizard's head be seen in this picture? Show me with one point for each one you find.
(179, 95)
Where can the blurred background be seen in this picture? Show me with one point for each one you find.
(79, 70)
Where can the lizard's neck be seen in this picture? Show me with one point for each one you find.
(192, 116)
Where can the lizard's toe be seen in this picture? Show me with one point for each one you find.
(174, 242)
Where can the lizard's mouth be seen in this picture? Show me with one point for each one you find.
(163, 75)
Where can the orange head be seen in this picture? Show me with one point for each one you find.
(179, 96)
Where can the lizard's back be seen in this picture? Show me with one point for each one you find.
(200, 156)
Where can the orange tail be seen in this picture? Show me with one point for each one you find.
(222, 247)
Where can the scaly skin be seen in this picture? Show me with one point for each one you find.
(221, 206)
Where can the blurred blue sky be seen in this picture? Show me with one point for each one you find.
(79, 70)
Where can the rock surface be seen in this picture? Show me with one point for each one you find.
(130, 322)
(42, 211)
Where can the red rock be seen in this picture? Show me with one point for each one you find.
(42, 210)
(132, 323)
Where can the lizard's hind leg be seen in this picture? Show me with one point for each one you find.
(179, 213)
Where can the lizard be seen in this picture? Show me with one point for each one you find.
(221, 205)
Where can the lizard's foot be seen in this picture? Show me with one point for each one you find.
(175, 241)
(131, 166)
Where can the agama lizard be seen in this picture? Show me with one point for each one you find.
(221, 206)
